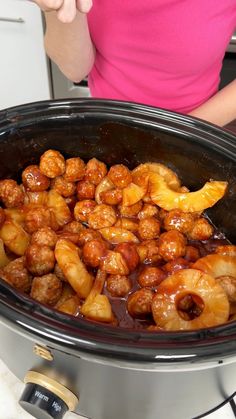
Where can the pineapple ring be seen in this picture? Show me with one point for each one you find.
(185, 282)
(217, 265)
(168, 175)
(226, 250)
(166, 198)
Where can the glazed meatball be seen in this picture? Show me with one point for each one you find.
(40, 260)
(202, 230)
(149, 228)
(178, 220)
(16, 274)
(83, 209)
(36, 218)
(46, 289)
(148, 251)
(95, 171)
(75, 169)
(148, 211)
(120, 176)
(172, 245)
(74, 227)
(129, 253)
(175, 265)
(131, 210)
(52, 164)
(111, 197)
(151, 276)
(34, 180)
(85, 190)
(45, 236)
(192, 254)
(63, 187)
(102, 216)
(93, 251)
(118, 285)
(11, 193)
(89, 234)
(139, 303)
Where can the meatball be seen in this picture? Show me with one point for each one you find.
(102, 216)
(52, 164)
(38, 217)
(83, 209)
(120, 176)
(111, 197)
(172, 245)
(192, 254)
(93, 251)
(131, 210)
(40, 260)
(202, 230)
(16, 274)
(63, 187)
(88, 234)
(148, 211)
(129, 253)
(178, 220)
(34, 180)
(175, 265)
(75, 169)
(118, 285)
(148, 251)
(149, 228)
(151, 276)
(85, 190)
(11, 194)
(95, 171)
(46, 289)
(45, 236)
(74, 227)
(139, 303)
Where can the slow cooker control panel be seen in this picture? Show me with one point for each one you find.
(45, 398)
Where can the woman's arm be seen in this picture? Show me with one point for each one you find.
(220, 109)
(69, 45)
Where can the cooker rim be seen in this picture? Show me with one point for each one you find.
(28, 317)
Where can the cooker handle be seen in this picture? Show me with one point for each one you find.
(45, 398)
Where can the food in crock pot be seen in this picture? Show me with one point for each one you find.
(130, 248)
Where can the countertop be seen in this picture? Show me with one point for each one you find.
(11, 388)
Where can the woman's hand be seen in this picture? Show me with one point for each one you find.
(66, 9)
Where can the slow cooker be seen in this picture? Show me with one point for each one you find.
(99, 371)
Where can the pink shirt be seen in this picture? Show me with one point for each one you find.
(166, 53)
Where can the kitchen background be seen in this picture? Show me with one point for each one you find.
(26, 75)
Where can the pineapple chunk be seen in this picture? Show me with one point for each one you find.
(132, 194)
(168, 175)
(117, 235)
(67, 256)
(59, 207)
(14, 237)
(97, 306)
(105, 185)
(163, 196)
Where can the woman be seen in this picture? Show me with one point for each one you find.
(165, 53)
